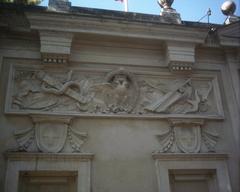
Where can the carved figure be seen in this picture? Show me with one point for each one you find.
(29, 94)
(43, 92)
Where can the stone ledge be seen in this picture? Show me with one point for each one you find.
(49, 156)
(118, 116)
(191, 157)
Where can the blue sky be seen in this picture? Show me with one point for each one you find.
(190, 10)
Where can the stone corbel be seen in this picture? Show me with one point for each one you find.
(187, 136)
(180, 57)
(55, 47)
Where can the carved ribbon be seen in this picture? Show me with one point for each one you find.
(58, 88)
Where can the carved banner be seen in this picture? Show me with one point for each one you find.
(113, 93)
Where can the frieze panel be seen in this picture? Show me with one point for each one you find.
(114, 93)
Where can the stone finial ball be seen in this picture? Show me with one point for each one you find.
(228, 7)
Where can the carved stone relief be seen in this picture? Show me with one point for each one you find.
(49, 135)
(115, 93)
(187, 136)
(183, 99)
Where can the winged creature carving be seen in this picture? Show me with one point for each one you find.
(119, 92)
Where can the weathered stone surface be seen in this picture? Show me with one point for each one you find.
(116, 98)
(55, 163)
(59, 5)
(189, 169)
(187, 136)
(120, 92)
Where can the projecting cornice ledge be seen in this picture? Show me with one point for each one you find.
(229, 35)
(57, 31)
(184, 157)
(49, 156)
(85, 23)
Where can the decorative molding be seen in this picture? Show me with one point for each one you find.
(17, 162)
(187, 136)
(184, 157)
(49, 135)
(188, 163)
(91, 23)
(54, 59)
(180, 67)
(118, 93)
(14, 156)
(229, 35)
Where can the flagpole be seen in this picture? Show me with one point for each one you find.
(125, 5)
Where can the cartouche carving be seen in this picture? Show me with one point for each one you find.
(49, 135)
(187, 136)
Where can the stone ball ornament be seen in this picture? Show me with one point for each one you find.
(165, 4)
(228, 7)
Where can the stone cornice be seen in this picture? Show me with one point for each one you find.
(229, 35)
(193, 157)
(74, 23)
(49, 156)
(47, 118)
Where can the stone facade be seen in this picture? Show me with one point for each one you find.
(105, 101)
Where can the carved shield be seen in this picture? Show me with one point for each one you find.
(188, 139)
(51, 136)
